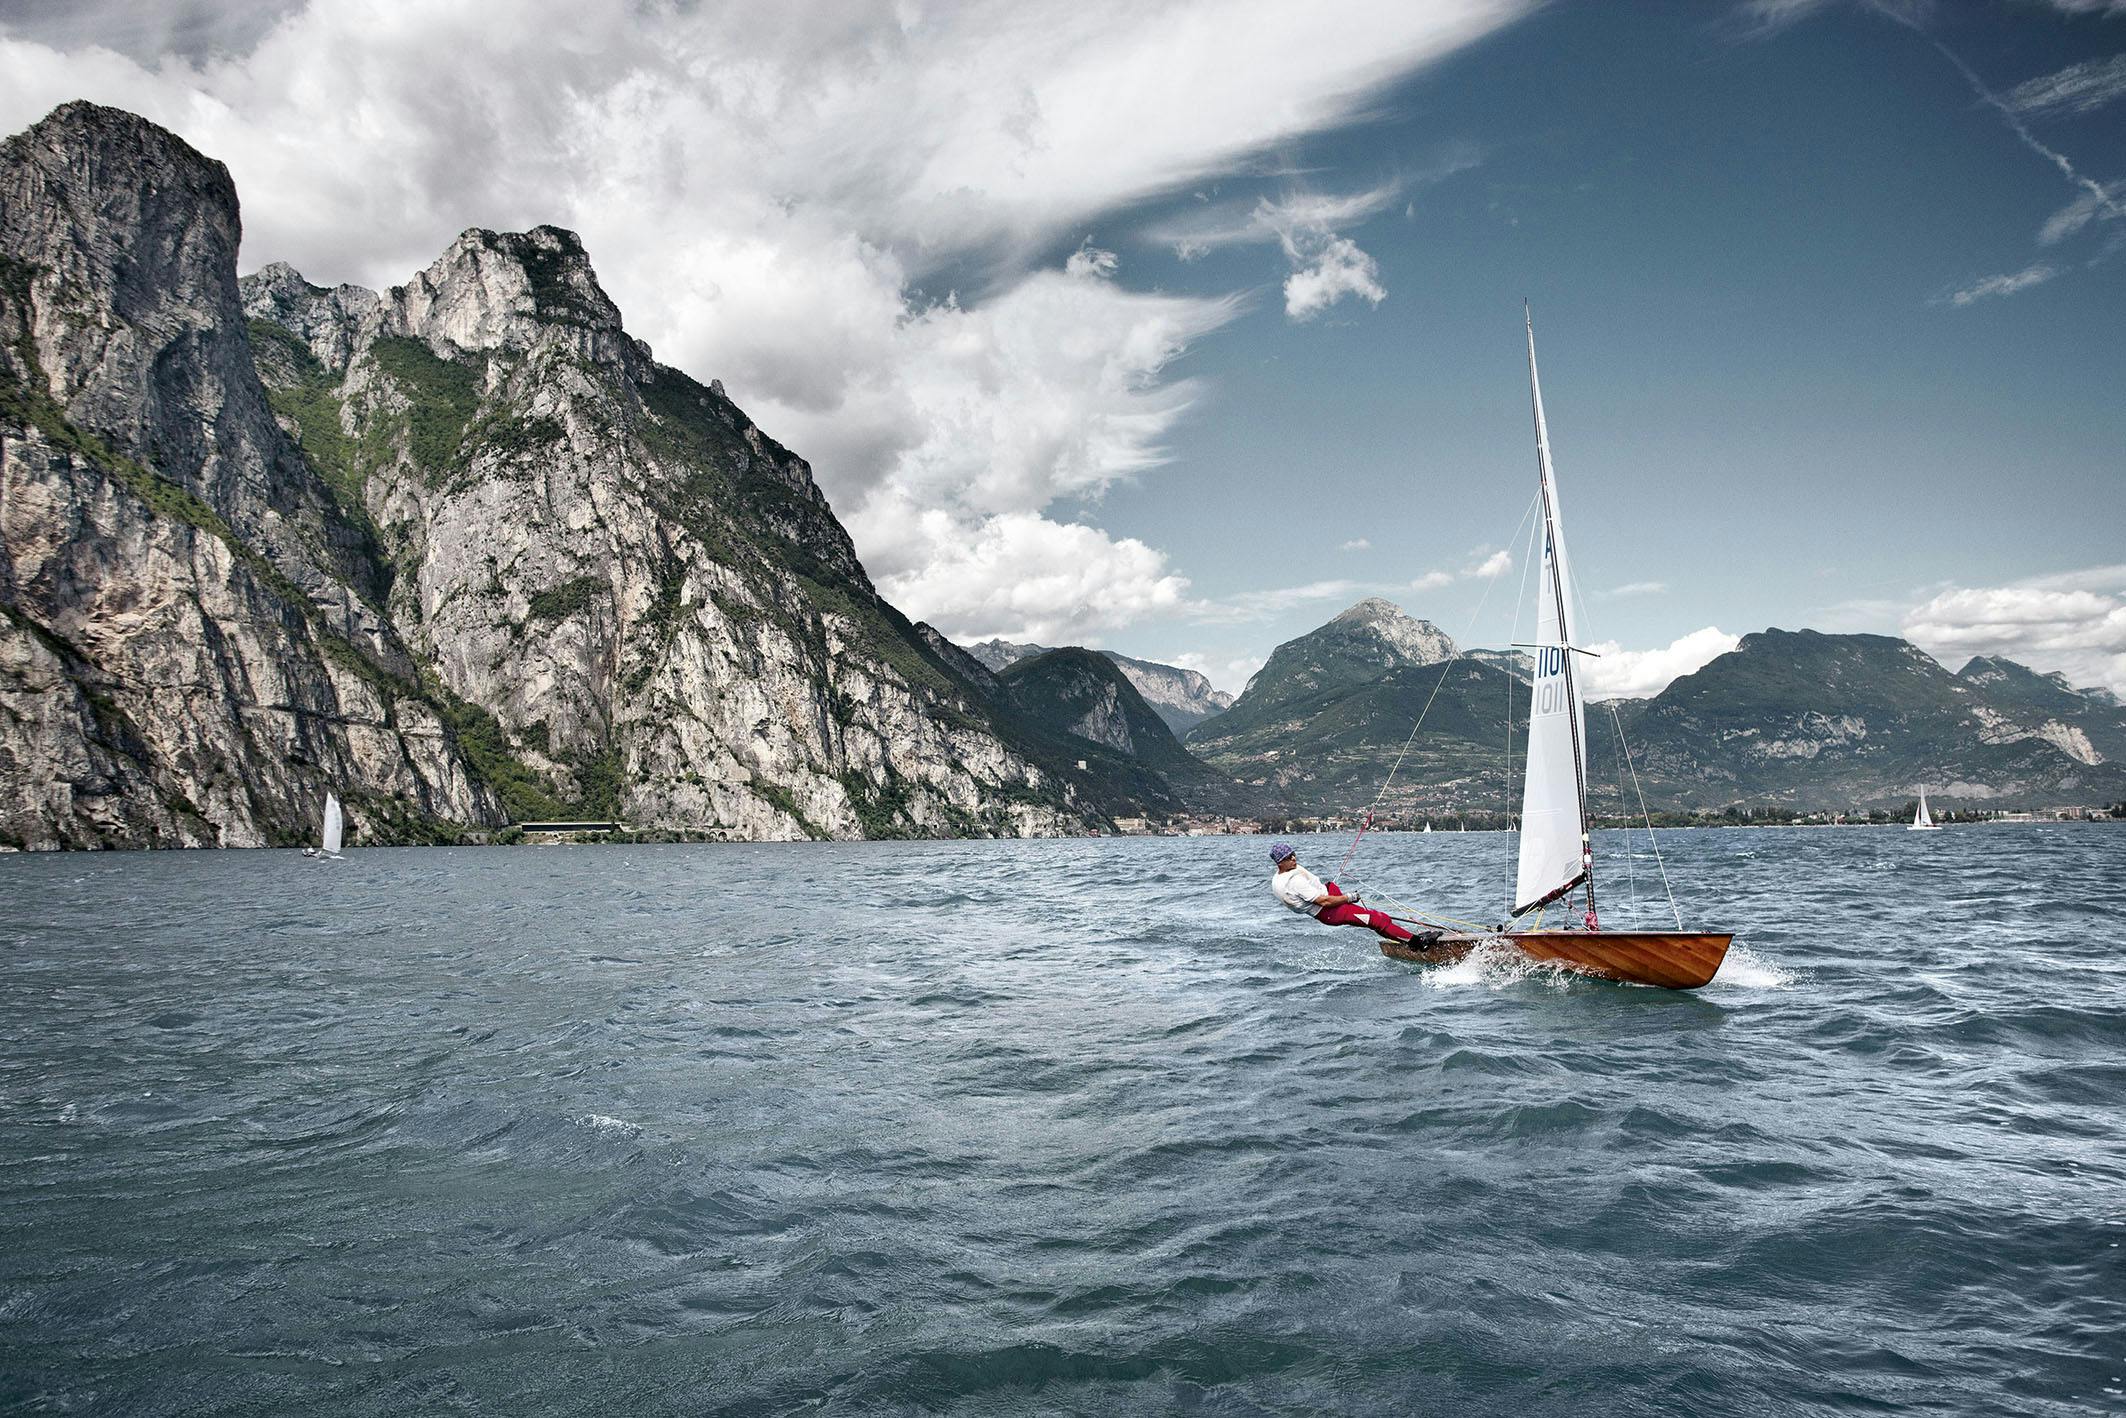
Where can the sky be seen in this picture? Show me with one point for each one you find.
(1175, 328)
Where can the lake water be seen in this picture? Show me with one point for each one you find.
(1086, 1126)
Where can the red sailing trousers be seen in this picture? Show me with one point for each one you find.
(1350, 914)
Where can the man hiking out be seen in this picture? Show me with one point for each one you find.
(1326, 902)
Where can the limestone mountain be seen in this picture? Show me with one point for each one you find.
(1183, 698)
(997, 654)
(462, 549)
(1355, 649)
(1089, 696)
(193, 639)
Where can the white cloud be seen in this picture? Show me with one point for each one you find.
(1432, 581)
(1639, 588)
(1496, 564)
(2084, 209)
(1326, 266)
(1229, 673)
(766, 189)
(1090, 260)
(1619, 673)
(2073, 623)
(1261, 605)
(1338, 268)
(1269, 220)
(2007, 284)
(2078, 88)
(1356, 544)
(1020, 576)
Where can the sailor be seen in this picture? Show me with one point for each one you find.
(1327, 902)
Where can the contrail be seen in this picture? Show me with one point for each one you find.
(2030, 140)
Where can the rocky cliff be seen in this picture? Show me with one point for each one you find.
(192, 633)
(466, 551)
(1183, 698)
(1091, 700)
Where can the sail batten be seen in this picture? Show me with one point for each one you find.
(1554, 855)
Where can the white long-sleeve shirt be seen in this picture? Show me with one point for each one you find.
(1298, 889)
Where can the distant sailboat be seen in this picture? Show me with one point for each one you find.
(1922, 820)
(1428, 827)
(1556, 853)
(335, 826)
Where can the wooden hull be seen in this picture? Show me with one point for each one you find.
(1673, 960)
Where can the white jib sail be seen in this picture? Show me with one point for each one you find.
(1921, 818)
(333, 824)
(1553, 832)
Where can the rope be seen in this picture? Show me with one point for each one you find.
(1645, 815)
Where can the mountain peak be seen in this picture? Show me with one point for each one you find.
(507, 290)
(1374, 608)
(1417, 642)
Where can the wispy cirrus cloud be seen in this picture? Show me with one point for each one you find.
(2007, 283)
(2078, 88)
(2075, 89)
(1638, 588)
(766, 191)
(1261, 605)
(2088, 207)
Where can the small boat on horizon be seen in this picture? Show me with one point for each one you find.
(328, 848)
(1922, 820)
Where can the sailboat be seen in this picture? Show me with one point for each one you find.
(1922, 820)
(328, 847)
(1556, 852)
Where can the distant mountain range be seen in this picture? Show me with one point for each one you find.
(1789, 720)
(1183, 698)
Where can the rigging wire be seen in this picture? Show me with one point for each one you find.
(1624, 748)
(1446, 667)
(1643, 813)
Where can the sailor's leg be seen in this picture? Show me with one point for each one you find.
(1349, 915)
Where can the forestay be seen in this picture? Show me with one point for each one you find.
(1554, 850)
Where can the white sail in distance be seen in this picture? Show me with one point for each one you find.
(334, 825)
(1554, 855)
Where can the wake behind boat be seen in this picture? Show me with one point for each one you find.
(1556, 853)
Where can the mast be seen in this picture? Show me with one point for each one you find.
(1545, 856)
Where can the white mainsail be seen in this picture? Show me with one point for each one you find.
(333, 825)
(1554, 851)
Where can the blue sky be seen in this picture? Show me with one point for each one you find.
(1122, 323)
(1743, 249)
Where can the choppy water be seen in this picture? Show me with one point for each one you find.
(1055, 1127)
